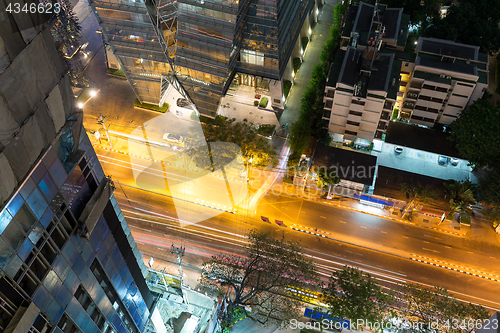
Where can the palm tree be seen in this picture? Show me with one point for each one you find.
(461, 195)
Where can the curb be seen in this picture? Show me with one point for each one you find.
(386, 217)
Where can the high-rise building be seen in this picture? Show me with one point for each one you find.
(68, 262)
(201, 46)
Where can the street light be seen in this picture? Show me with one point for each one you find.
(80, 105)
(93, 93)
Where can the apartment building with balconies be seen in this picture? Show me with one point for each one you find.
(364, 79)
(445, 78)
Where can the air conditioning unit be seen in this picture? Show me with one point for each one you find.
(442, 76)
(448, 77)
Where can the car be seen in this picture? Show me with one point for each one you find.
(398, 150)
(181, 102)
(442, 160)
(454, 161)
(173, 137)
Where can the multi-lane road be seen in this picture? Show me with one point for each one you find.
(391, 251)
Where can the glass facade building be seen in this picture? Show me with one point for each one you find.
(68, 262)
(198, 46)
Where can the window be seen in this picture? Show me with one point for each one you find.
(357, 102)
(407, 64)
(67, 325)
(351, 133)
(328, 104)
(110, 291)
(355, 113)
(353, 123)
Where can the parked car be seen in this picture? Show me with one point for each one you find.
(442, 160)
(398, 150)
(173, 137)
(454, 161)
(181, 102)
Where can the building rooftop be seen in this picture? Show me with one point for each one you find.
(417, 137)
(350, 165)
(335, 68)
(436, 62)
(391, 18)
(381, 72)
(389, 180)
(448, 48)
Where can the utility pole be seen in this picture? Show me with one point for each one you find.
(100, 121)
(179, 251)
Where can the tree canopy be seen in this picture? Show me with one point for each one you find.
(263, 278)
(462, 195)
(228, 140)
(477, 134)
(473, 22)
(427, 305)
(352, 294)
(327, 177)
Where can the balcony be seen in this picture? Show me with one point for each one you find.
(412, 95)
(408, 105)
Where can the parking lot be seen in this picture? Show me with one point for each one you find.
(421, 162)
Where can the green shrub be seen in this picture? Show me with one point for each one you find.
(153, 107)
(117, 72)
(266, 129)
(263, 102)
(395, 114)
(287, 85)
(296, 64)
(305, 41)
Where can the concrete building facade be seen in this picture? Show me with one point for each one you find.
(446, 78)
(202, 47)
(363, 81)
(68, 262)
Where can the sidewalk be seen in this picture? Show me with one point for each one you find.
(320, 34)
(419, 220)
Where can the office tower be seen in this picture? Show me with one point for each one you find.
(68, 262)
(200, 47)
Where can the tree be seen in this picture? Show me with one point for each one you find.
(261, 278)
(473, 22)
(352, 294)
(418, 11)
(477, 134)
(66, 31)
(327, 177)
(422, 306)
(461, 194)
(66, 28)
(224, 141)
